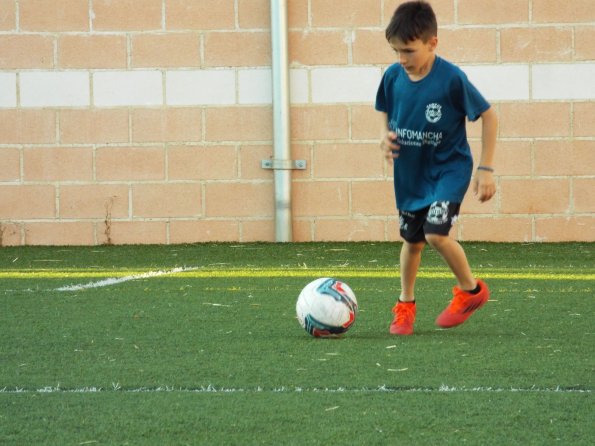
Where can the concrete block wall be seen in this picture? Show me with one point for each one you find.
(145, 121)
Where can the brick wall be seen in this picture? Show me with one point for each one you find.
(145, 121)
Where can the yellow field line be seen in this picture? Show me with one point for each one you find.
(382, 274)
(293, 272)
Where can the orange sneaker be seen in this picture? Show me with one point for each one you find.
(402, 324)
(462, 305)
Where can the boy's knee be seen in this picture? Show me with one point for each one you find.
(436, 240)
(414, 247)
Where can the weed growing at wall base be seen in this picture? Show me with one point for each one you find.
(209, 352)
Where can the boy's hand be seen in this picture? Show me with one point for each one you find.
(484, 186)
(389, 147)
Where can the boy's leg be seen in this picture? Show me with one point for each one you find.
(470, 294)
(454, 256)
(410, 260)
(404, 310)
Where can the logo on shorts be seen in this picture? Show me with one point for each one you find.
(438, 213)
(402, 224)
(433, 112)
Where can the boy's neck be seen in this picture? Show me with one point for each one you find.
(424, 69)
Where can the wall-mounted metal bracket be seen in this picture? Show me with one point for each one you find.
(283, 164)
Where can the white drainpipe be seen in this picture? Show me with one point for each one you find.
(281, 163)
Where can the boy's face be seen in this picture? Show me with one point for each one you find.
(416, 56)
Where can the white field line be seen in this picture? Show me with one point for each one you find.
(381, 389)
(118, 280)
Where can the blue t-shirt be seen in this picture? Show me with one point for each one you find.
(428, 117)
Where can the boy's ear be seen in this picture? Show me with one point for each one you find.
(433, 42)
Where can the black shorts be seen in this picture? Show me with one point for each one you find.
(437, 218)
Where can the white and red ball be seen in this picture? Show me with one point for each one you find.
(326, 308)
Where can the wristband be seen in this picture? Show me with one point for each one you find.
(486, 168)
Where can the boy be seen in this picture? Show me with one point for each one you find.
(424, 101)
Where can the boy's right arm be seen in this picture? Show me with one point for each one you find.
(387, 140)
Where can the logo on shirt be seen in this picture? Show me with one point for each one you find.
(433, 112)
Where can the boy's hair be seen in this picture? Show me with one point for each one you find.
(411, 21)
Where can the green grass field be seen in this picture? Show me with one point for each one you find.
(114, 345)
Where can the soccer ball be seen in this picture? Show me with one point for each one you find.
(326, 308)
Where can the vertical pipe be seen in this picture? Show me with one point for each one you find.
(282, 145)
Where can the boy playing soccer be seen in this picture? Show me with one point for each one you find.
(424, 101)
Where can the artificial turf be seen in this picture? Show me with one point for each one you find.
(214, 355)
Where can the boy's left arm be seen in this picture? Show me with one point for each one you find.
(484, 186)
